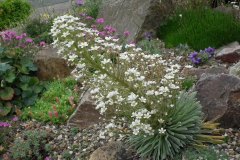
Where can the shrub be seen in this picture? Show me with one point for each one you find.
(56, 104)
(200, 28)
(12, 12)
(89, 7)
(138, 93)
(153, 46)
(19, 87)
(32, 145)
(39, 30)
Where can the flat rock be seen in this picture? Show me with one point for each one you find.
(136, 16)
(111, 151)
(85, 114)
(51, 65)
(220, 96)
(198, 72)
(229, 53)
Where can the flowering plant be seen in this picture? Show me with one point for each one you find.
(137, 93)
(18, 86)
(202, 57)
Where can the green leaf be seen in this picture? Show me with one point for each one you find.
(5, 109)
(4, 67)
(6, 94)
(9, 77)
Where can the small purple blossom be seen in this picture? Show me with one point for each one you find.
(29, 40)
(5, 124)
(210, 51)
(89, 18)
(42, 44)
(126, 33)
(148, 35)
(100, 21)
(80, 2)
(15, 118)
(47, 158)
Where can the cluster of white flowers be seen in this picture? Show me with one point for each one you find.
(124, 81)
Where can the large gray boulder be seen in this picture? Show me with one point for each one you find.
(111, 151)
(136, 16)
(220, 97)
(51, 65)
(229, 53)
(85, 114)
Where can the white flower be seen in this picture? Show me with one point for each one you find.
(111, 94)
(162, 130)
(94, 91)
(188, 66)
(132, 97)
(151, 92)
(143, 100)
(82, 44)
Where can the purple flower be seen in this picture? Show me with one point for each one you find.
(100, 21)
(47, 158)
(210, 51)
(79, 2)
(29, 40)
(102, 34)
(194, 58)
(148, 35)
(19, 37)
(15, 118)
(126, 33)
(42, 44)
(89, 18)
(5, 124)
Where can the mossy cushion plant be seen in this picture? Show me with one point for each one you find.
(200, 28)
(13, 12)
(56, 104)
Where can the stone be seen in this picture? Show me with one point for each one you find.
(110, 151)
(85, 114)
(229, 53)
(229, 10)
(198, 72)
(219, 96)
(135, 16)
(235, 69)
(51, 65)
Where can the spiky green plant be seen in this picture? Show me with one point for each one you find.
(184, 123)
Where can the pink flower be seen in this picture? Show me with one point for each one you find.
(102, 34)
(29, 40)
(89, 18)
(5, 124)
(126, 33)
(18, 37)
(42, 44)
(15, 118)
(100, 21)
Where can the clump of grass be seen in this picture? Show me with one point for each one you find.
(200, 28)
(56, 104)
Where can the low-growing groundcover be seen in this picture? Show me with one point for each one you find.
(200, 28)
(56, 104)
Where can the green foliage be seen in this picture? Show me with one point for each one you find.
(205, 154)
(188, 82)
(184, 123)
(90, 7)
(12, 12)
(32, 145)
(200, 28)
(152, 46)
(18, 85)
(56, 104)
(39, 30)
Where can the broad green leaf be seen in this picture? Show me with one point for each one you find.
(4, 67)
(6, 94)
(9, 76)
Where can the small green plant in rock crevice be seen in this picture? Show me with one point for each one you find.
(32, 145)
(56, 104)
